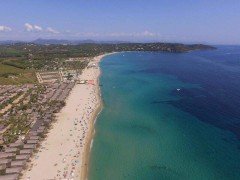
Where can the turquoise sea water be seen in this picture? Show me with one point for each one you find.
(150, 130)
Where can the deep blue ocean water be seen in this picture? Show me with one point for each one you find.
(169, 116)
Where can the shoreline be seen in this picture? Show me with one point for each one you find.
(67, 147)
(87, 152)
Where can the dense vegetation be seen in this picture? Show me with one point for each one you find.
(22, 50)
(18, 62)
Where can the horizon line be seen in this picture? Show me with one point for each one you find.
(123, 41)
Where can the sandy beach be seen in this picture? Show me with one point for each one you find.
(64, 154)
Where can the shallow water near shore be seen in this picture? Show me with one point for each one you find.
(169, 116)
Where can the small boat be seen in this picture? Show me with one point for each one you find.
(178, 89)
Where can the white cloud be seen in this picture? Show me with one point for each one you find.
(5, 29)
(117, 34)
(87, 34)
(147, 34)
(37, 28)
(136, 34)
(30, 27)
(51, 30)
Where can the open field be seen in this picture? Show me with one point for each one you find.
(14, 75)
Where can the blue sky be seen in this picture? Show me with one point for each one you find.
(187, 21)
